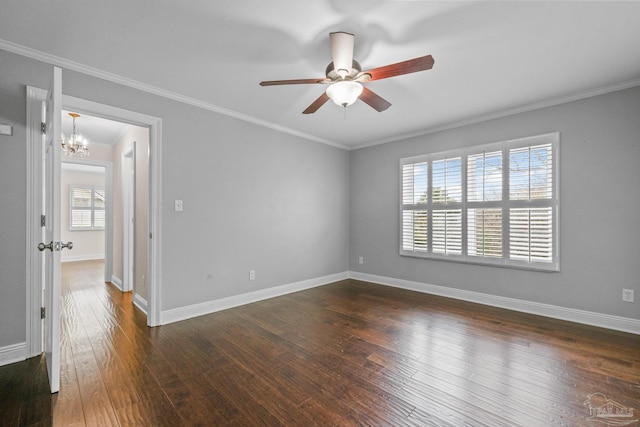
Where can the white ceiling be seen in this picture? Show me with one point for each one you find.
(95, 129)
(491, 58)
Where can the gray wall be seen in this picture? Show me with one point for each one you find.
(599, 179)
(294, 210)
(13, 157)
(253, 198)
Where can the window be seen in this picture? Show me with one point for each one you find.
(491, 204)
(86, 207)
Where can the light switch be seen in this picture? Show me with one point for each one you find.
(6, 130)
(178, 206)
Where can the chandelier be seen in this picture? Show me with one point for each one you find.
(75, 144)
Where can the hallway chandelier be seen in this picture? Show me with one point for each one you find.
(75, 144)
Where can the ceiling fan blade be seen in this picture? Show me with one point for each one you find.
(295, 82)
(377, 102)
(342, 52)
(405, 67)
(317, 104)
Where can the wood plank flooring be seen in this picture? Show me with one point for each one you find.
(346, 354)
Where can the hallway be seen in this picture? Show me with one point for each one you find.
(102, 333)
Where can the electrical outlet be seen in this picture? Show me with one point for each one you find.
(252, 275)
(627, 295)
(177, 205)
(361, 260)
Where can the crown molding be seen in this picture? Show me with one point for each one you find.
(115, 78)
(504, 113)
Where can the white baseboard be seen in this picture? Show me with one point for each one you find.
(87, 257)
(117, 282)
(617, 323)
(182, 313)
(140, 302)
(13, 353)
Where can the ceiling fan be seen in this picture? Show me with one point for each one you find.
(345, 76)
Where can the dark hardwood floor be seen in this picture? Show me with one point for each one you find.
(349, 353)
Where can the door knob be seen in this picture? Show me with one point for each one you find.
(42, 246)
(58, 246)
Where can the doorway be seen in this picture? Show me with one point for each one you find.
(85, 193)
(125, 146)
(152, 234)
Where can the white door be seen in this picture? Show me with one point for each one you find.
(51, 247)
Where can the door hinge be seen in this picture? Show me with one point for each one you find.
(42, 312)
(43, 127)
(43, 219)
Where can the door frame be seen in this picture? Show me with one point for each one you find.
(108, 208)
(128, 218)
(34, 233)
(35, 96)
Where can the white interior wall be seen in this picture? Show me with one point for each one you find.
(87, 244)
(140, 136)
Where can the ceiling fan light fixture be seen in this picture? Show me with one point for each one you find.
(344, 76)
(344, 92)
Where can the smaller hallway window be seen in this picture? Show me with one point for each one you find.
(86, 207)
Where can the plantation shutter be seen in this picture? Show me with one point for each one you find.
(491, 204)
(80, 207)
(446, 195)
(98, 208)
(86, 207)
(414, 205)
(484, 196)
(531, 213)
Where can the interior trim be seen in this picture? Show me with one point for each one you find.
(140, 302)
(13, 353)
(95, 72)
(107, 255)
(607, 321)
(115, 78)
(208, 307)
(115, 281)
(33, 235)
(509, 112)
(155, 187)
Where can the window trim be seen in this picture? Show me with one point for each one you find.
(505, 204)
(93, 209)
